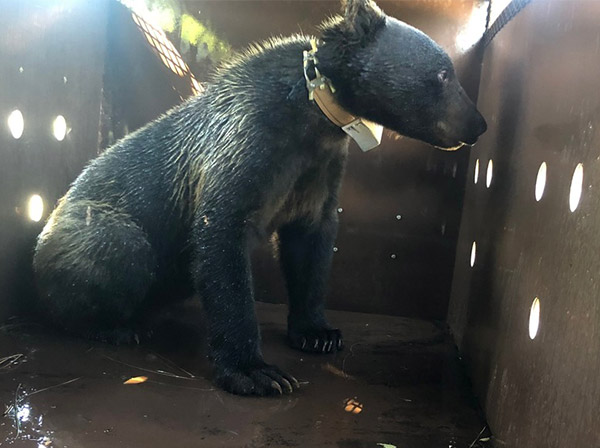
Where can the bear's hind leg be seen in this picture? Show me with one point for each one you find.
(305, 252)
(94, 267)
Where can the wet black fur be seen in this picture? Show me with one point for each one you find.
(184, 200)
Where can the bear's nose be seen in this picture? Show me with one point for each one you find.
(478, 126)
(481, 124)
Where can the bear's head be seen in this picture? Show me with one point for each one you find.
(393, 74)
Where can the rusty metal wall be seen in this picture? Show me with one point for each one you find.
(51, 59)
(83, 60)
(540, 90)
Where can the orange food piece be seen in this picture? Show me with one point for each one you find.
(353, 406)
(136, 380)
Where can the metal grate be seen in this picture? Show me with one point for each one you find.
(167, 52)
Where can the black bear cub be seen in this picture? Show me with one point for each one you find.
(184, 199)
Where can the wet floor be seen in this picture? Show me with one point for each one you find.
(398, 383)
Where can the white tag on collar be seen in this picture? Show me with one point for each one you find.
(365, 133)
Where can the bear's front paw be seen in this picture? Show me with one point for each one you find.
(262, 380)
(316, 340)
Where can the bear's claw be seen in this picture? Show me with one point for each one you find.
(264, 380)
(316, 340)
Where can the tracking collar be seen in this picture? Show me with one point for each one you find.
(364, 132)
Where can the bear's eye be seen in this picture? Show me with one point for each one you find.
(443, 76)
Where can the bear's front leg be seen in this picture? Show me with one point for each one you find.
(305, 251)
(222, 275)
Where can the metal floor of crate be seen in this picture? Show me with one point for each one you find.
(398, 383)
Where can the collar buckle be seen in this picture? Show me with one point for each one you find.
(319, 82)
(320, 89)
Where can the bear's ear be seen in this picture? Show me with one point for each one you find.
(362, 17)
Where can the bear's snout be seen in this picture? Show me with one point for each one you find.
(463, 122)
(476, 128)
(464, 128)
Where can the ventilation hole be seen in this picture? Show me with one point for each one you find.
(35, 207)
(489, 174)
(534, 318)
(473, 253)
(16, 123)
(398, 217)
(335, 249)
(476, 176)
(59, 128)
(576, 187)
(540, 181)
